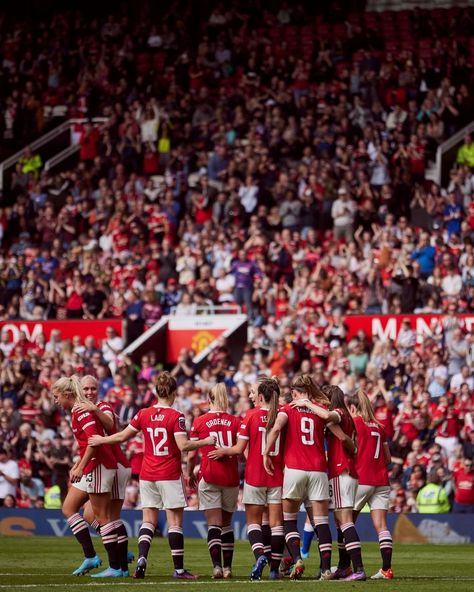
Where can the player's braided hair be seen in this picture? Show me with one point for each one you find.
(363, 406)
(307, 384)
(218, 397)
(270, 391)
(71, 387)
(337, 398)
(165, 385)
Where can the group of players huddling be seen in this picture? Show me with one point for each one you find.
(315, 451)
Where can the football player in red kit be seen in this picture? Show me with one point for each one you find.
(161, 484)
(260, 488)
(105, 414)
(305, 467)
(372, 458)
(343, 487)
(92, 478)
(218, 486)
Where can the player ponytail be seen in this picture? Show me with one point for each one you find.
(338, 401)
(306, 384)
(363, 406)
(165, 386)
(269, 389)
(218, 397)
(71, 387)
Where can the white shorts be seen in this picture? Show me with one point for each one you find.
(215, 496)
(261, 496)
(305, 485)
(377, 496)
(164, 495)
(120, 482)
(342, 490)
(99, 480)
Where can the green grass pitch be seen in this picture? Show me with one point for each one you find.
(43, 564)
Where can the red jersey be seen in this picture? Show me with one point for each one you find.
(117, 449)
(253, 428)
(384, 415)
(464, 492)
(304, 446)
(339, 460)
(162, 457)
(224, 428)
(84, 425)
(451, 426)
(370, 458)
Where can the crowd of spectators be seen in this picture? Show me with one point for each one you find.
(274, 162)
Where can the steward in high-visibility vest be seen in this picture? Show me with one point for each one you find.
(432, 498)
(52, 498)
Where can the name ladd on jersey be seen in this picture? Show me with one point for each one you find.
(218, 421)
(157, 417)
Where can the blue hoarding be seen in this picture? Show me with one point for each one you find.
(409, 528)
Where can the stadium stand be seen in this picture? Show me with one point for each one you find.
(272, 160)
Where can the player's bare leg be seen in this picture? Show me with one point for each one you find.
(101, 503)
(379, 519)
(176, 542)
(75, 499)
(254, 516)
(228, 541)
(321, 527)
(145, 537)
(214, 540)
(292, 536)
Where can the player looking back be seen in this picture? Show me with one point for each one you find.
(161, 484)
(372, 459)
(260, 488)
(92, 478)
(218, 486)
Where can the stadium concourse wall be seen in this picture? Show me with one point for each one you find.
(406, 528)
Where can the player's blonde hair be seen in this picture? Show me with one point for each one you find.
(307, 384)
(363, 406)
(71, 387)
(165, 385)
(218, 397)
(90, 377)
(270, 391)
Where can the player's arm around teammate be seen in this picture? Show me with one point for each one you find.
(261, 491)
(218, 487)
(91, 478)
(161, 484)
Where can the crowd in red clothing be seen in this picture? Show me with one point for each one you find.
(286, 178)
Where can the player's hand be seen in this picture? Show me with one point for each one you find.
(75, 475)
(84, 406)
(210, 441)
(192, 481)
(95, 440)
(268, 464)
(298, 403)
(216, 454)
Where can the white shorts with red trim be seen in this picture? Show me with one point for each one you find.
(305, 485)
(377, 496)
(216, 496)
(164, 495)
(261, 496)
(99, 480)
(343, 491)
(121, 480)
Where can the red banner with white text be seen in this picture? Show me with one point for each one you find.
(386, 327)
(68, 329)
